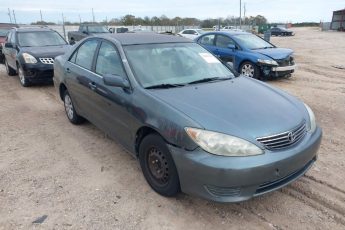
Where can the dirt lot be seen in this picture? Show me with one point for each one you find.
(82, 180)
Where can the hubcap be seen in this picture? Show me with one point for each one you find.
(69, 107)
(21, 76)
(158, 166)
(247, 70)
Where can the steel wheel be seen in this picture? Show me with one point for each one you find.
(158, 166)
(248, 70)
(69, 107)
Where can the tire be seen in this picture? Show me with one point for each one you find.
(22, 79)
(249, 69)
(10, 71)
(158, 166)
(71, 114)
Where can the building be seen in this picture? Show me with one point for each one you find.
(338, 20)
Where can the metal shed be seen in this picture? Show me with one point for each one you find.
(338, 20)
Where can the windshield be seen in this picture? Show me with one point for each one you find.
(40, 38)
(98, 29)
(3, 32)
(200, 31)
(173, 63)
(251, 41)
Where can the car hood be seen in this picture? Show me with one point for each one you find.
(46, 51)
(241, 107)
(275, 53)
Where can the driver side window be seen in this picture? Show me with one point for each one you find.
(109, 61)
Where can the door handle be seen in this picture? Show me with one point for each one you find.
(68, 70)
(92, 86)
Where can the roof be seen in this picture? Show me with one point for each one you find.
(339, 11)
(145, 38)
(36, 29)
(230, 32)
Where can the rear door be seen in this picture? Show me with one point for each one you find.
(79, 78)
(208, 42)
(222, 49)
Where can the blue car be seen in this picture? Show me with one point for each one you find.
(250, 55)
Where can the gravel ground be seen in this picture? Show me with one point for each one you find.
(74, 177)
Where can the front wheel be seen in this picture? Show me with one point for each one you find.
(23, 80)
(158, 166)
(249, 69)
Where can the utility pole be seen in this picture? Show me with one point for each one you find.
(244, 13)
(240, 13)
(14, 17)
(9, 14)
(63, 26)
(41, 16)
(79, 19)
(93, 16)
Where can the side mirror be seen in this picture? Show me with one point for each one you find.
(115, 80)
(8, 45)
(111, 30)
(232, 46)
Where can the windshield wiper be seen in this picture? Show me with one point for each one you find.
(164, 86)
(210, 79)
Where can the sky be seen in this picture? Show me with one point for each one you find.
(27, 11)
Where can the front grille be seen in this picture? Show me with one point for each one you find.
(47, 60)
(286, 61)
(284, 140)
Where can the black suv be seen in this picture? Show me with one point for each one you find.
(30, 52)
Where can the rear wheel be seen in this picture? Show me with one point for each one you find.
(158, 166)
(72, 115)
(23, 80)
(248, 69)
(10, 71)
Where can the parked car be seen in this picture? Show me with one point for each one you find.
(117, 30)
(277, 31)
(84, 31)
(4, 28)
(193, 125)
(250, 55)
(191, 33)
(30, 52)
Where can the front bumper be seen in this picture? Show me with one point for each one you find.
(38, 72)
(234, 179)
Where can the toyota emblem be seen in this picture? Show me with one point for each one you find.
(291, 137)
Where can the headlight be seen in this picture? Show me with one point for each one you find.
(28, 58)
(221, 144)
(311, 126)
(267, 62)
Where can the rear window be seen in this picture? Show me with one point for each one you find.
(40, 38)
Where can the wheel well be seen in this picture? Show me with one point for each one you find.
(141, 133)
(62, 89)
